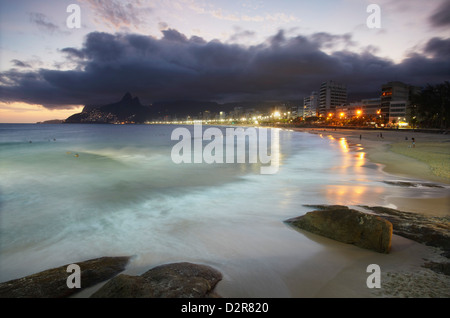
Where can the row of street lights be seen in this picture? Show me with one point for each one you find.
(358, 112)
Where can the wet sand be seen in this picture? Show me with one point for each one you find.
(429, 159)
(403, 274)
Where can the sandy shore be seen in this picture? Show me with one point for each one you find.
(428, 160)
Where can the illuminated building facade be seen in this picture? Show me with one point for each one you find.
(331, 95)
(395, 101)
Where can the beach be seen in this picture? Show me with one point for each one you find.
(340, 270)
(127, 199)
(429, 160)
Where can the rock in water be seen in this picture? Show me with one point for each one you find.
(348, 226)
(179, 280)
(52, 283)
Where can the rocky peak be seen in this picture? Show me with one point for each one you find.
(127, 97)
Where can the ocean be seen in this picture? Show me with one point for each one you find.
(69, 193)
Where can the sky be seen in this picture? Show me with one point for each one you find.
(211, 50)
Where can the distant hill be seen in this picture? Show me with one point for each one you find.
(130, 110)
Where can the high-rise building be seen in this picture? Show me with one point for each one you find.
(331, 95)
(311, 105)
(395, 101)
(395, 93)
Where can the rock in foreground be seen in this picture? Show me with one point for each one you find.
(348, 226)
(52, 283)
(428, 230)
(179, 280)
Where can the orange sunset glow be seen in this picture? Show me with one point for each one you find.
(19, 112)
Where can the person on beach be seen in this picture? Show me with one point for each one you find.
(413, 142)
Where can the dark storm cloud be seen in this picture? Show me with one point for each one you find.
(441, 17)
(438, 47)
(173, 35)
(176, 67)
(73, 53)
(327, 40)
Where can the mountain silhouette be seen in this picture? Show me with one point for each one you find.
(128, 109)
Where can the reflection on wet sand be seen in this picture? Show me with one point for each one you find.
(348, 163)
(351, 167)
(352, 194)
(344, 145)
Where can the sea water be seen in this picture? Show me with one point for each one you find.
(69, 193)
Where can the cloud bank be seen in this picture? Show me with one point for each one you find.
(441, 17)
(175, 67)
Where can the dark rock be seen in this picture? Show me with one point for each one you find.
(413, 184)
(179, 280)
(431, 231)
(348, 226)
(52, 283)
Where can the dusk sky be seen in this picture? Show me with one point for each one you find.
(216, 50)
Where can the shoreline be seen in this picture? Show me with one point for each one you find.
(397, 158)
(395, 146)
(342, 271)
(411, 279)
(395, 153)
